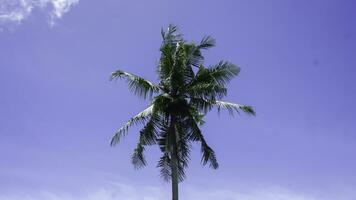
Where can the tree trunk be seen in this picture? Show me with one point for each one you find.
(174, 159)
(174, 174)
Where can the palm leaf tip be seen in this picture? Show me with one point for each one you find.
(248, 110)
(118, 135)
(208, 156)
(138, 158)
(114, 140)
(231, 107)
(207, 42)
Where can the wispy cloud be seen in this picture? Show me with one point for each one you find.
(16, 11)
(129, 192)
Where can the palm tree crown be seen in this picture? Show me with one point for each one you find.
(186, 91)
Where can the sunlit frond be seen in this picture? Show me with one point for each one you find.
(139, 118)
(205, 106)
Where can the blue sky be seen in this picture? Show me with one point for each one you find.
(59, 109)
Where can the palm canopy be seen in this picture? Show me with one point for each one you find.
(186, 91)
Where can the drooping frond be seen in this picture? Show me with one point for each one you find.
(138, 158)
(231, 107)
(164, 164)
(139, 118)
(149, 133)
(138, 85)
(183, 148)
(164, 140)
(183, 153)
(165, 143)
(148, 136)
(208, 154)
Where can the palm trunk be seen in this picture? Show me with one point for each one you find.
(174, 159)
(174, 175)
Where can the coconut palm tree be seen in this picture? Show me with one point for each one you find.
(186, 91)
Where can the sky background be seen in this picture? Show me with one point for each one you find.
(59, 109)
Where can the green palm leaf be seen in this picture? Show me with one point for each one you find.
(139, 118)
(231, 107)
(138, 85)
(138, 158)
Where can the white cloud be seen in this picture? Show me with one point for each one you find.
(128, 192)
(15, 11)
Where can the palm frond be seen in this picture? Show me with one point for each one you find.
(208, 154)
(183, 153)
(138, 158)
(138, 85)
(231, 107)
(220, 73)
(177, 77)
(165, 66)
(171, 36)
(164, 140)
(183, 144)
(209, 91)
(209, 83)
(164, 164)
(201, 105)
(194, 56)
(206, 43)
(181, 172)
(223, 72)
(141, 117)
(149, 133)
